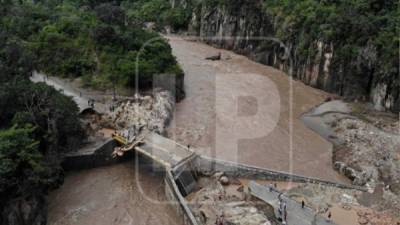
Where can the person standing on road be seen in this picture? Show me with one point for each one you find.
(329, 216)
(285, 212)
(280, 208)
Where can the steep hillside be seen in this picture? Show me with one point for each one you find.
(345, 47)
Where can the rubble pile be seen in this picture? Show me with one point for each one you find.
(371, 217)
(151, 113)
(366, 150)
(214, 201)
(372, 155)
(393, 127)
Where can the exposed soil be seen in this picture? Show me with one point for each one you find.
(232, 202)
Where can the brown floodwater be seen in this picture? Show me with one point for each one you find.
(112, 195)
(243, 111)
(235, 110)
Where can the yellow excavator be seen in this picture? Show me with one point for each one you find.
(126, 146)
(120, 139)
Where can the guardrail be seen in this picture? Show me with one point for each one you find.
(173, 194)
(234, 169)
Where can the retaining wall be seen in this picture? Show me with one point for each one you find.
(96, 156)
(208, 165)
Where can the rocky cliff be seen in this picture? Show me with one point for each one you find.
(245, 27)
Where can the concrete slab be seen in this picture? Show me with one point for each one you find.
(163, 150)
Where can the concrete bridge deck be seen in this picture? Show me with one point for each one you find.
(296, 214)
(163, 150)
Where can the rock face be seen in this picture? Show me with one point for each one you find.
(28, 210)
(232, 26)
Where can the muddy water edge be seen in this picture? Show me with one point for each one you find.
(126, 193)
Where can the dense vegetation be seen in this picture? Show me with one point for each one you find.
(160, 12)
(348, 47)
(36, 124)
(350, 25)
(92, 40)
(97, 42)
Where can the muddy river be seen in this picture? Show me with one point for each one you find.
(242, 111)
(111, 195)
(235, 110)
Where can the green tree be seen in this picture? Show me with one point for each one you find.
(21, 163)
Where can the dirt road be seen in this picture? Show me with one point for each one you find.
(239, 110)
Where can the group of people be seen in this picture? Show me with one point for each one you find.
(282, 210)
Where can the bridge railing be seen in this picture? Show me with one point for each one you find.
(173, 194)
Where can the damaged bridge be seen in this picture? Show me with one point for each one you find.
(173, 156)
(163, 150)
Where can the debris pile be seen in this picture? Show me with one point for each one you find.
(133, 119)
(214, 203)
(371, 155)
(144, 112)
(366, 150)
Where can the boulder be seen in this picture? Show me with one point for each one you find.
(214, 57)
(339, 166)
(350, 173)
(395, 188)
(362, 221)
(224, 180)
(218, 175)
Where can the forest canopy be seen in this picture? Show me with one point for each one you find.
(92, 40)
(96, 42)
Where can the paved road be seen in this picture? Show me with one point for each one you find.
(296, 215)
(80, 98)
